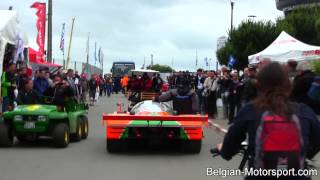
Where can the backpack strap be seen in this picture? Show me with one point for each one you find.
(295, 110)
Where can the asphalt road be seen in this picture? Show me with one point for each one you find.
(88, 159)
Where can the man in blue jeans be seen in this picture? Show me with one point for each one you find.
(109, 85)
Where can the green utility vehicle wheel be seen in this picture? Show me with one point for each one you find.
(85, 127)
(22, 138)
(6, 136)
(77, 136)
(61, 135)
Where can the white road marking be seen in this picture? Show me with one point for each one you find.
(217, 127)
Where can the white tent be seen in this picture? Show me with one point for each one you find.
(10, 31)
(285, 48)
(10, 27)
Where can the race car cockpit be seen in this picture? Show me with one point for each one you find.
(151, 106)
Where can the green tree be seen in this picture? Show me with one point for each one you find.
(161, 68)
(249, 38)
(316, 66)
(303, 24)
(252, 37)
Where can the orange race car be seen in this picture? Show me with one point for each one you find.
(151, 121)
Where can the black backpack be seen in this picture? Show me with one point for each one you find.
(183, 104)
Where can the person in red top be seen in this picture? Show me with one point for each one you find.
(98, 82)
(135, 84)
(147, 82)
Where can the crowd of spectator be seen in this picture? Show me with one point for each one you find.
(42, 86)
(140, 83)
(236, 90)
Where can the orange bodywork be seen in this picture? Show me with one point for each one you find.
(117, 124)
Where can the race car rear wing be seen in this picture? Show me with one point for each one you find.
(202, 118)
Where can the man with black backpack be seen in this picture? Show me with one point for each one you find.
(281, 134)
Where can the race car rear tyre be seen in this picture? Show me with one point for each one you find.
(77, 136)
(85, 128)
(22, 138)
(114, 146)
(191, 146)
(61, 135)
(6, 135)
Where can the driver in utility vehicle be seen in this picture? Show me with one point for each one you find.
(60, 91)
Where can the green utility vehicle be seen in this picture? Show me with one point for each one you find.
(29, 122)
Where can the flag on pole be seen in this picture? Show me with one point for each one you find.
(41, 25)
(206, 61)
(232, 61)
(87, 48)
(62, 37)
(102, 56)
(99, 55)
(95, 52)
(196, 58)
(144, 62)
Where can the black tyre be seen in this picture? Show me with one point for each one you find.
(6, 136)
(116, 146)
(22, 138)
(61, 135)
(77, 136)
(85, 128)
(191, 146)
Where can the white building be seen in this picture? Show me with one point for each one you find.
(221, 42)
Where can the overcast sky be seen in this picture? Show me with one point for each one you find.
(134, 29)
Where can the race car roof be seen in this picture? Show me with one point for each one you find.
(144, 70)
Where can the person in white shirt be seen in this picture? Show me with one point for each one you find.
(198, 83)
(210, 95)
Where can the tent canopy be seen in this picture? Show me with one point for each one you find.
(10, 27)
(285, 48)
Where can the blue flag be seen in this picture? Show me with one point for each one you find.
(206, 60)
(232, 61)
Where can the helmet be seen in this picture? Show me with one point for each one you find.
(184, 85)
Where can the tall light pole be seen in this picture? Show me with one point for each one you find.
(252, 17)
(49, 46)
(151, 60)
(70, 42)
(232, 5)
